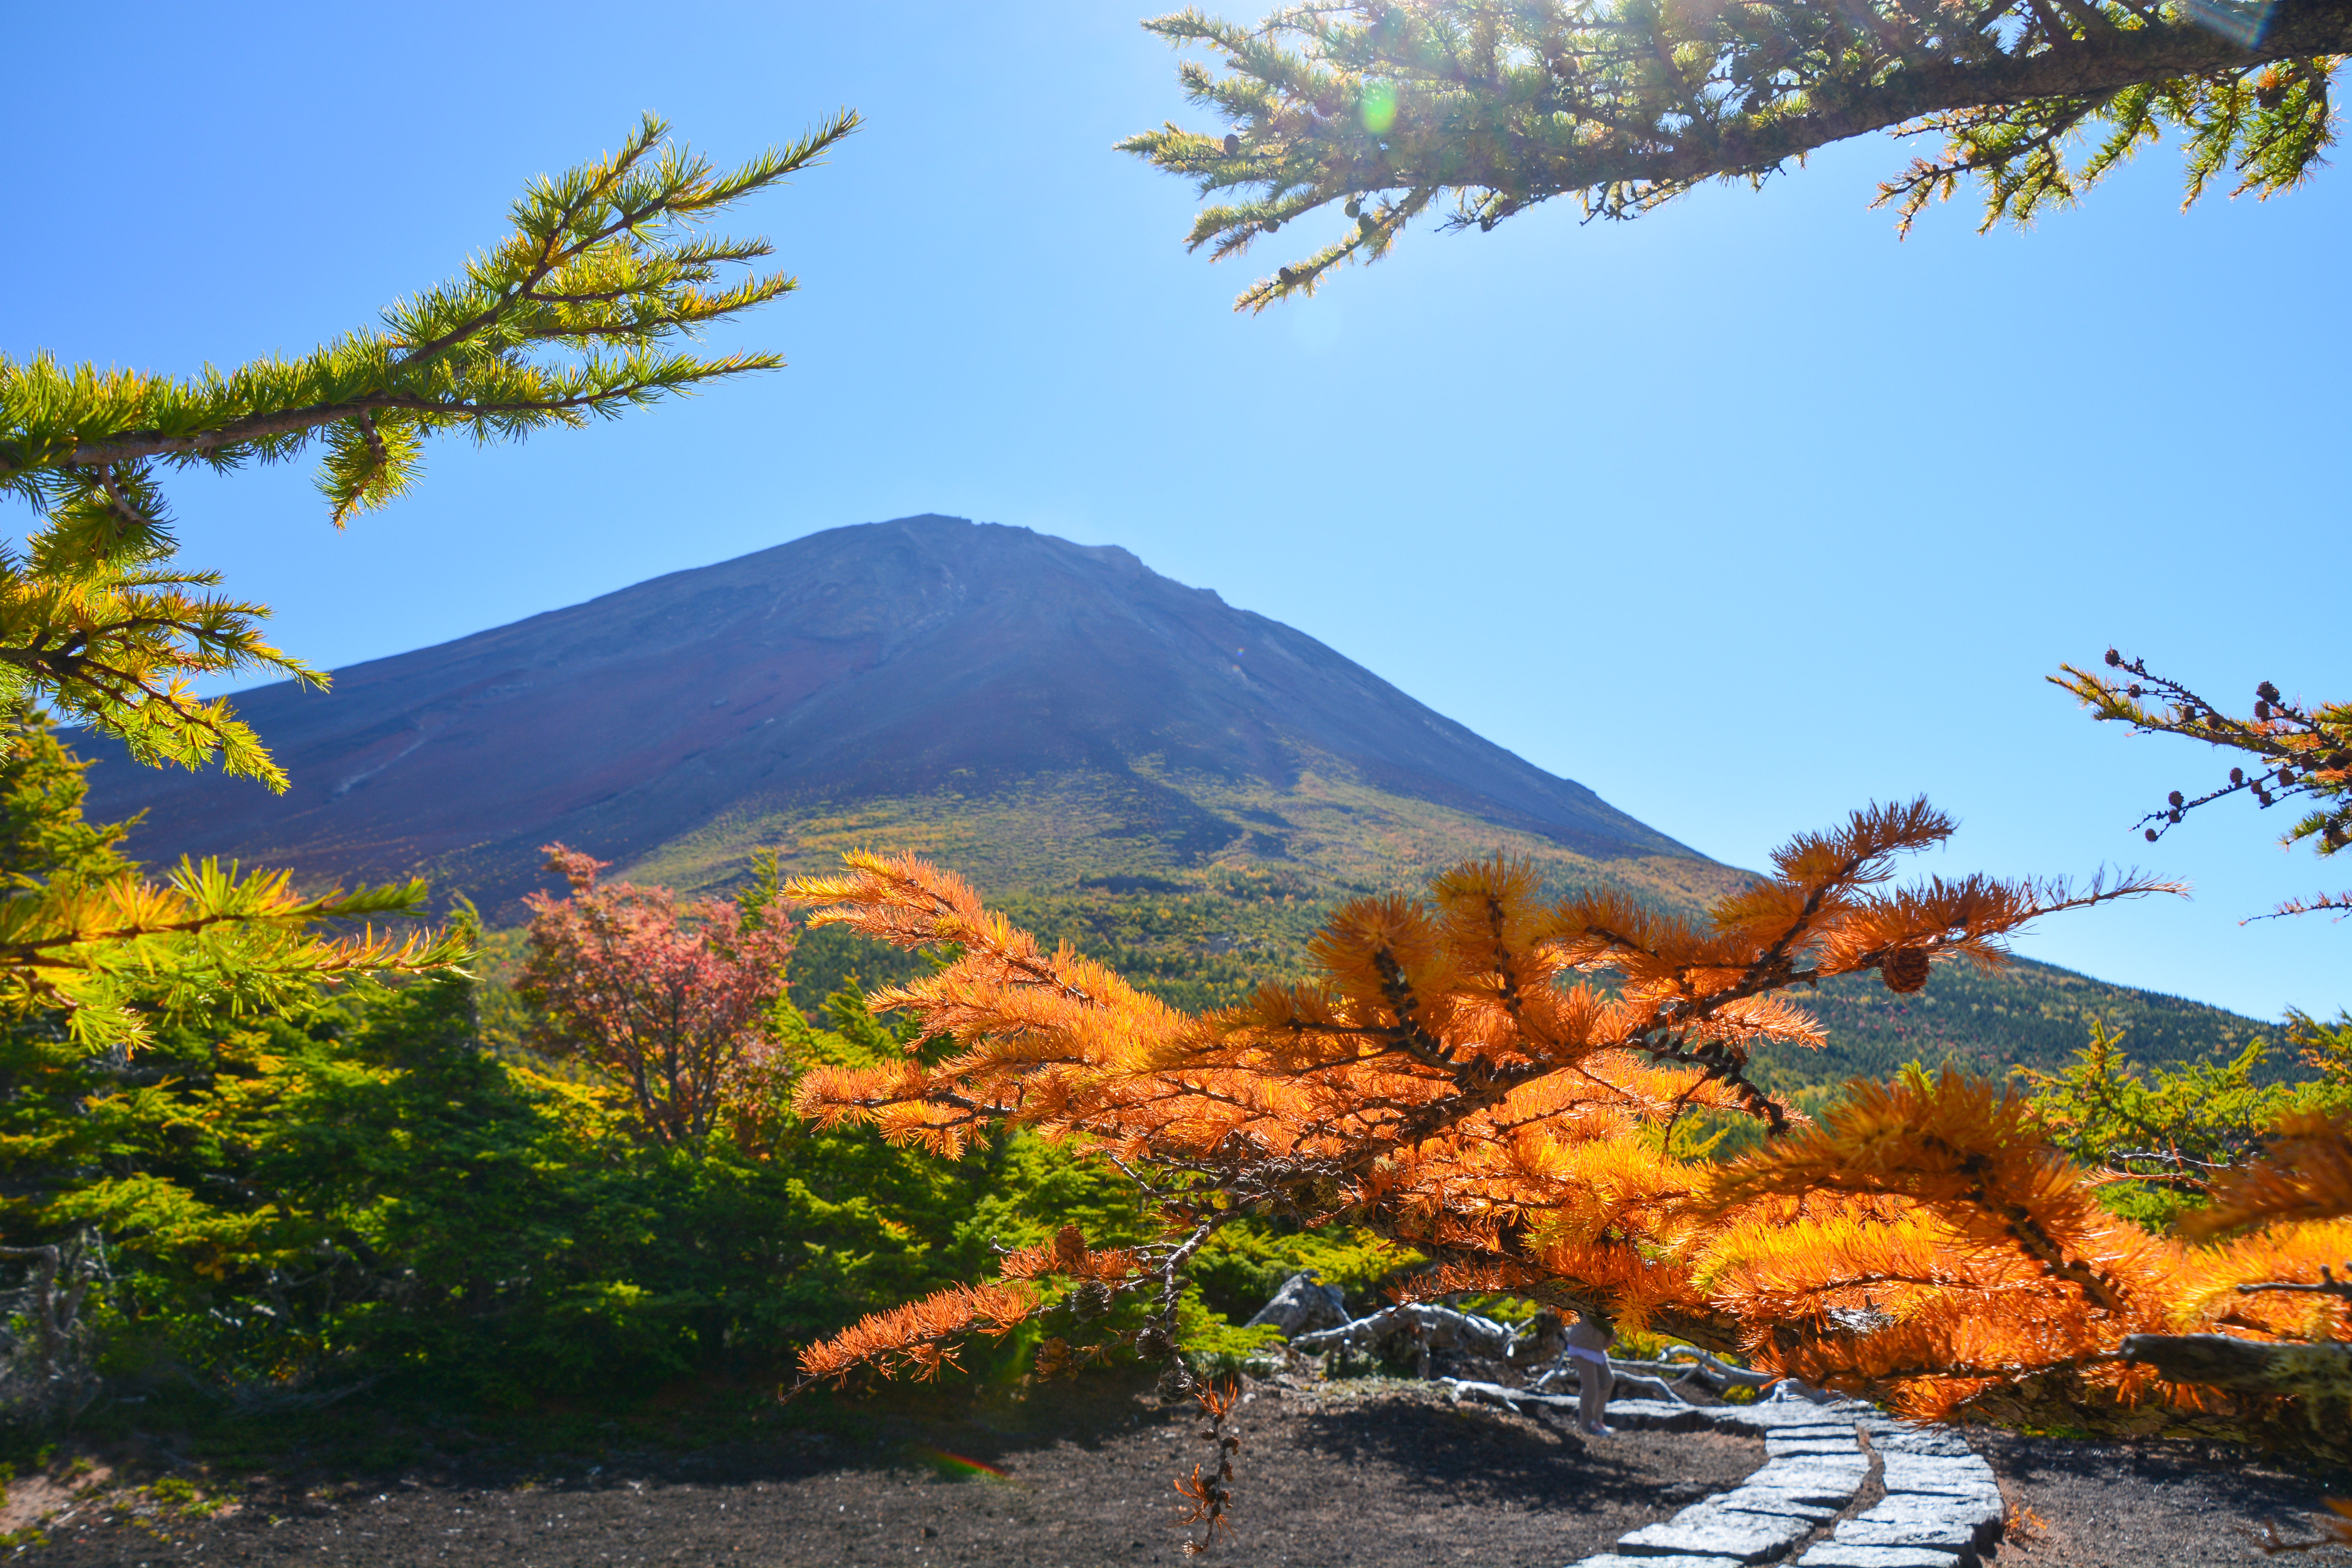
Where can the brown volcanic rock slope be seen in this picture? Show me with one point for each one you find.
(929, 657)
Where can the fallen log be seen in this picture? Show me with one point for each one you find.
(1717, 1371)
(2315, 1372)
(1642, 1375)
(1428, 1326)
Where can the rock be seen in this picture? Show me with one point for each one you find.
(1937, 1473)
(1982, 1512)
(1953, 1535)
(1708, 1529)
(1657, 1415)
(1679, 1559)
(1830, 1554)
(1776, 1445)
(1940, 1441)
(1814, 1478)
(1765, 1499)
(1302, 1306)
(1773, 1417)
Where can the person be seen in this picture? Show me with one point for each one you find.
(1589, 1343)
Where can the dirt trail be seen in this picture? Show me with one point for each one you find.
(1347, 1475)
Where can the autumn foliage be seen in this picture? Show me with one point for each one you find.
(1491, 1077)
(669, 1000)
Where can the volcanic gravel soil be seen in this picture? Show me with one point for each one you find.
(1366, 1475)
(2128, 1505)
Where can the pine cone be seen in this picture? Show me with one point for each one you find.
(1905, 969)
(1090, 1300)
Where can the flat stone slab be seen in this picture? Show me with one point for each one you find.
(1707, 1530)
(1658, 1416)
(1940, 1441)
(1830, 1554)
(1937, 1473)
(1957, 1536)
(1767, 1500)
(1776, 1445)
(1814, 1478)
(1795, 1413)
(1982, 1512)
(1612, 1560)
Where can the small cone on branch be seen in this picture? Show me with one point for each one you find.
(1905, 970)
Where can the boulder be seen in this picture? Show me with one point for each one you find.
(1302, 1306)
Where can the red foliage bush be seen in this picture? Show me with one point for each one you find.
(669, 998)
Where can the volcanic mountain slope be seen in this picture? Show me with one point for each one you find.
(1033, 711)
(1179, 787)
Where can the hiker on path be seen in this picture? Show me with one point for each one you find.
(1588, 1342)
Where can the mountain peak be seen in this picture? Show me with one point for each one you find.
(926, 657)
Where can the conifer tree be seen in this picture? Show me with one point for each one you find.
(1492, 1078)
(2298, 752)
(1481, 108)
(87, 939)
(2292, 752)
(586, 309)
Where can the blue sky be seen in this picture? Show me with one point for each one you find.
(1742, 513)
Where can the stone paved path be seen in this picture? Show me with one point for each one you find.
(1942, 1507)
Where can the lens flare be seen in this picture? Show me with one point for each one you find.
(1379, 105)
(958, 1465)
(2242, 25)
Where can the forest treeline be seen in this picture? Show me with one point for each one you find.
(264, 1209)
(588, 1179)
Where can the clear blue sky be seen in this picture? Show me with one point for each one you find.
(1742, 513)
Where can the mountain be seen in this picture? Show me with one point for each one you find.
(1178, 786)
(917, 676)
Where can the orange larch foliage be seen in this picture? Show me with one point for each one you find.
(1485, 1075)
(920, 1337)
(2305, 1175)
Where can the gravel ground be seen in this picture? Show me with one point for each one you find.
(1365, 1474)
(2117, 1505)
